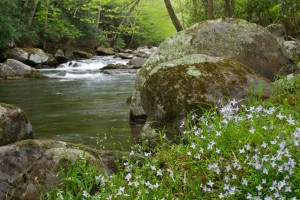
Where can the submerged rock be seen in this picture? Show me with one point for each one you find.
(114, 66)
(195, 83)
(14, 125)
(31, 167)
(13, 69)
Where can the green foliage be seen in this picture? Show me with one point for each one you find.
(124, 23)
(77, 175)
(233, 151)
(144, 31)
(11, 23)
(84, 23)
(262, 12)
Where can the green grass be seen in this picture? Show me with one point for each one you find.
(231, 152)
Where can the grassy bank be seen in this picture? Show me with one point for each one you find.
(231, 152)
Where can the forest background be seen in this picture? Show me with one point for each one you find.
(86, 24)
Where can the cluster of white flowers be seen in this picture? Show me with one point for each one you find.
(243, 152)
(261, 169)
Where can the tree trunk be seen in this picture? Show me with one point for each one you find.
(32, 13)
(228, 8)
(173, 16)
(98, 18)
(210, 9)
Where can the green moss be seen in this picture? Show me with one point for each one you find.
(170, 92)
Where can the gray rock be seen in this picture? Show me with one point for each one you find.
(248, 43)
(176, 87)
(29, 56)
(144, 52)
(125, 55)
(17, 54)
(52, 61)
(128, 51)
(114, 66)
(60, 56)
(30, 167)
(13, 69)
(292, 48)
(37, 56)
(14, 125)
(137, 62)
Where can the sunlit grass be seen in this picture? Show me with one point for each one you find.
(231, 152)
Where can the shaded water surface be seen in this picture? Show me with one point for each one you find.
(77, 104)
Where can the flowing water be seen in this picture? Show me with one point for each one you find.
(77, 103)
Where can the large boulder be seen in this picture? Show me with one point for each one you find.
(29, 56)
(14, 125)
(194, 82)
(248, 43)
(13, 69)
(31, 167)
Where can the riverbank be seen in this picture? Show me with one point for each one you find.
(236, 152)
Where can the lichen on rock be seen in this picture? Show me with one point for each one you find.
(14, 125)
(169, 93)
(13, 69)
(29, 168)
(247, 43)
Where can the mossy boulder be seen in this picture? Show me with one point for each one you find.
(174, 88)
(248, 43)
(14, 125)
(13, 69)
(31, 167)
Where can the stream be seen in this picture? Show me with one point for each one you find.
(77, 103)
